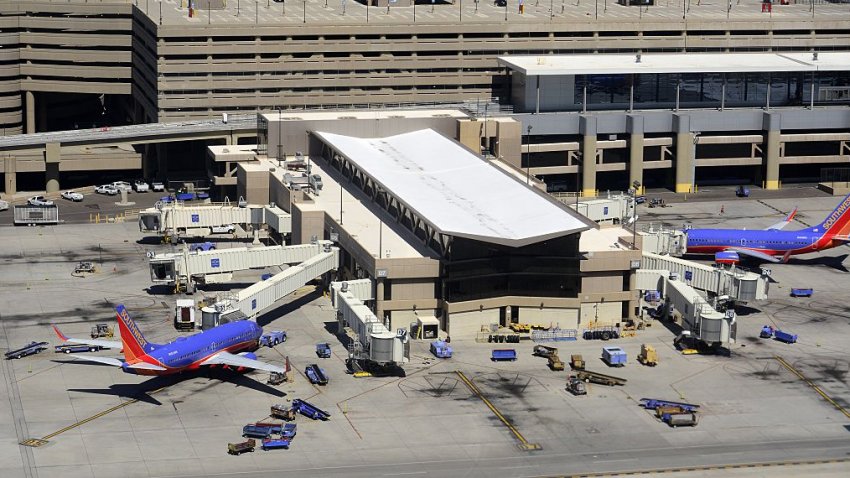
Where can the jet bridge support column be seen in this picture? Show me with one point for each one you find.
(684, 153)
(587, 128)
(772, 123)
(635, 128)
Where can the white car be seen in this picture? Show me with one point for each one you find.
(106, 189)
(141, 186)
(72, 196)
(122, 186)
(224, 229)
(157, 186)
(4, 205)
(39, 201)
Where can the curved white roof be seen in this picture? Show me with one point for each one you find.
(456, 191)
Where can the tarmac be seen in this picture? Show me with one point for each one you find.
(758, 417)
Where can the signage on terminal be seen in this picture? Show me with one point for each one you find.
(215, 262)
(196, 218)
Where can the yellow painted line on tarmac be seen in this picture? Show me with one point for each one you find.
(524, 444)
(823, 394)
(35, 442)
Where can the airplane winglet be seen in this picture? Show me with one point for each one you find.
(791, 215)
(59, 333)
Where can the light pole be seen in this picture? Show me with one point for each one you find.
(528, 155)
(694, 163)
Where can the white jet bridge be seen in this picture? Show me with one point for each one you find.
(733, 284)
(371, 340)
(700, 318)
(255, 299)
(184, 270)
(178, 219)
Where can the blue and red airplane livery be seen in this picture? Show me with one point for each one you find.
(228, 345)
(772, 244)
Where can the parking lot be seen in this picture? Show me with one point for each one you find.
(98, 421)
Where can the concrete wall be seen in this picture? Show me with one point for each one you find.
(468, 324)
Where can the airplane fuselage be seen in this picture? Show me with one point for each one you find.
(772, 242)
(187, 353)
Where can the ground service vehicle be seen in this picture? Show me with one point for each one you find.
(680, 419)
(501, 355)
(323, 350)
(576, 362)
(107, 189)
(441, 349)
(784, 336)
(655, 403)
(270, 339)
(742, 192)
(283, 412)
(614, 356)
(140, 186)
(576, 386)
(648, 356)
(122, 186)
(316, 375)
(544, 351)
(599, 378)
(555, 362)
(101, 330)
(242, 447)
(32, 348)
(4, 205)
(256, 431)
(68, 348)
(309, 410)
(223, 229)
(39, 201)
(157, 186)
(72, 196)
(275, 443)
(797, 292)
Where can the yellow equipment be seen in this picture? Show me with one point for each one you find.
(647, 355)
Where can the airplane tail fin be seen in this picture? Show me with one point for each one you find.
(838, 221)
(135, 344)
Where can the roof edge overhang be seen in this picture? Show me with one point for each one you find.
(526, 241)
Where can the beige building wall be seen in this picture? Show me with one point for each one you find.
(253, 183)
(468, 324)
(550, 317)
(601, 313)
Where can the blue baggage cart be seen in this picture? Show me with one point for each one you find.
(500, 355)
(276, 443)
(309, 410)
(784, 336)
(799, 292)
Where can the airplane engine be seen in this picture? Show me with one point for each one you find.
(727, 257)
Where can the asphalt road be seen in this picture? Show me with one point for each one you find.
(92, 204)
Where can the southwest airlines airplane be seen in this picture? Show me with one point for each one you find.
(209, 348)
(773, 244)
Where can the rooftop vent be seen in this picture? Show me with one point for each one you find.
(637, 58)
(815, 56)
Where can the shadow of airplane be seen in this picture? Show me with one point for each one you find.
(833, 262)
(142, 391)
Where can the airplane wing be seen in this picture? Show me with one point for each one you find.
(752, 253)
(119, 363)
(107, 344)
(785, 222)
(226, 358)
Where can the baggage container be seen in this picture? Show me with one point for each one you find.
(242, 447)
(282, 412)
(500, 355)
(614, 356)
(680, 419)
(27, 215)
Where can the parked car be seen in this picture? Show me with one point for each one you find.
(640, 199)
(122, 186)
(157, 186)
(223, 229)
(742, 192)
(107, 189)
(39, 201)
(72, 196)
(4, 205)
(140, 186)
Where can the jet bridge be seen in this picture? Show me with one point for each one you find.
(255, 299)
(371, 340)
(734, 284)
(178, 219)
(184, 270)
(684, 302)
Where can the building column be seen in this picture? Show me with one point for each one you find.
(587, 128)
(634, 126)
(10, 177)
(379, 298)
(52, 158)
(772, 123)
(684, 153)
(30, 111)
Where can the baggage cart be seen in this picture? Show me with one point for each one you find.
(784, 336)
(282, 412)
(680, 419)
(798, 292)
(309, 410)
(501, 355)
(242, 447)
(276, 443)
(30, 349)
